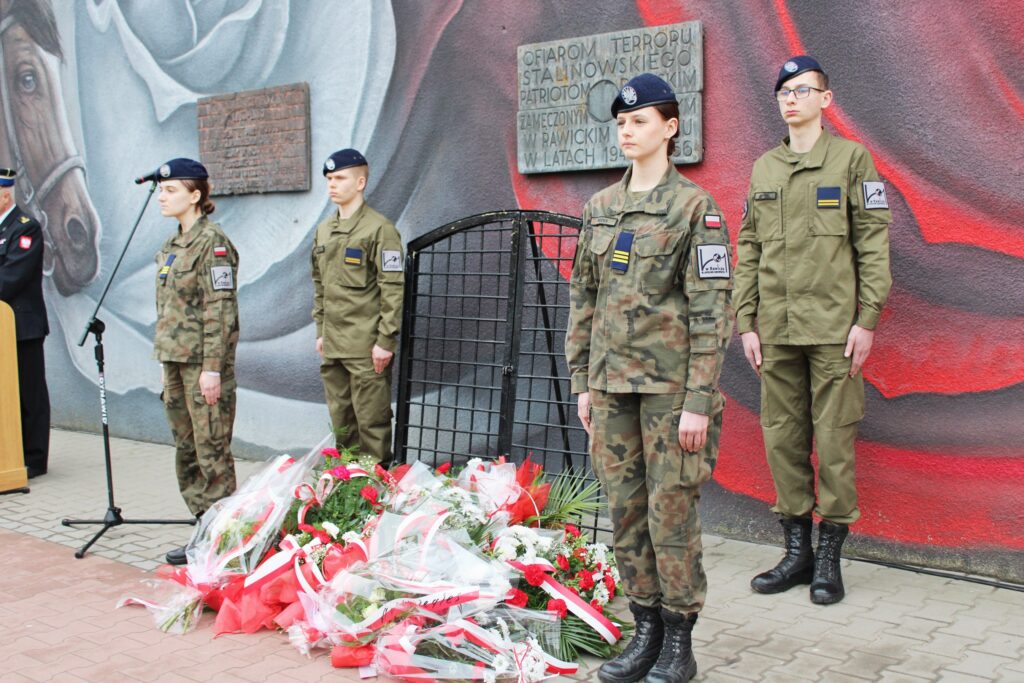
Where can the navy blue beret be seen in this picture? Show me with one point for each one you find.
(642, 91)
(7, 176)
(182, 168)
(795, 66)
(344, 158)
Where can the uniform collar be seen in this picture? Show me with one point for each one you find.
(183, 239)
(812, 159)
(657, 200)
(342, 225)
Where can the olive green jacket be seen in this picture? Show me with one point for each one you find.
(358, 283)
(814, 245)
(196, 302)
(662, 323)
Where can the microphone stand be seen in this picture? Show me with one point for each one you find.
(96, 327)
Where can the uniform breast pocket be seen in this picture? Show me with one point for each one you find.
(766, 208)
(657, 260)
(828, 209)
(351, 263)
(601, 240)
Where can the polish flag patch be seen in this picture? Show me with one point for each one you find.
(25, 242)
(712, 220)
(220, 251)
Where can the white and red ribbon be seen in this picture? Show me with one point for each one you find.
(582, 609)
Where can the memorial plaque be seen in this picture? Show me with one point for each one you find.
(256, 141)
(566, 88)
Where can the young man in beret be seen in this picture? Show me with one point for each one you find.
(21, 286)
(358, 285)
(811, 279)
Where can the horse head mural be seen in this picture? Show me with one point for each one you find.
(37, 141)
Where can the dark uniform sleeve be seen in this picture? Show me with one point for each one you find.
(708, 287)
(318, 285)
(389, 258)
(582, 300)
(869, 233)
(748, 260)
(18, 265)
(219, 278)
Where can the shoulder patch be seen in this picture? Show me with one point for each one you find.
(712, 261)
(24, 219)
(874, 195)
(222, 278)
(220, 250)
(712, 220)
(391, 261)
(25, 242)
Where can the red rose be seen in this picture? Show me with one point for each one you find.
(563, 562)
(534, 575)
(558, 607)
(609, 583)
(516, 598)
(369, 493)
(572, 530)
(443, 469)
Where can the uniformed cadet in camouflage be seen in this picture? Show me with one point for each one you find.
(196, 336)
(812, 277)
(650, 320)
(358, 285)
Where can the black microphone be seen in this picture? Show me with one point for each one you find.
(147, 178)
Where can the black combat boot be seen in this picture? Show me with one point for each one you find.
(797, 566)
(676, 663)
(176, 556)
(633, 663)
(827, 587)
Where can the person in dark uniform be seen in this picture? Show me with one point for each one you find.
(21, 286)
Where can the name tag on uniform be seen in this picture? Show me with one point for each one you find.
(353, 256)
(620, 256)
(222, 277)
(391, 261)
(712, 261)
(828, 197)
(765, 196)
(166, 268)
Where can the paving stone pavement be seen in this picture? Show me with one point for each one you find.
(61, 625)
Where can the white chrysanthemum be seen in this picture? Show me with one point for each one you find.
(601, 594)
(598, 552)
(501, 664)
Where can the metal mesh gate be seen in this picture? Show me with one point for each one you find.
(482, 367)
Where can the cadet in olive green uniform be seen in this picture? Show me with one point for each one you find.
(811, 280)
(196, 336)
(650, 319)
(358, 283)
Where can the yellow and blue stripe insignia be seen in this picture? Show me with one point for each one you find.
(620, 255)
(829, 197)
(353, 256)
(166, 268)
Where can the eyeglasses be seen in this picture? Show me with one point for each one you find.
(800, 92)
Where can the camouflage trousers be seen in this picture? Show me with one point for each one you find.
(202, 435)
(653, 490)
(359, 400)
(807, 391)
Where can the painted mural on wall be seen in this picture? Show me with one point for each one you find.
(428, 90)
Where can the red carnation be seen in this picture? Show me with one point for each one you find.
(443, 468)
(572, 530)
(609, 583)
(516, 598)
(369, 493)
(534, 575)
(580, 554)
(586, 579)
(563, 562)
(598, 607)
(331, 452)
(558, 607)
(341, 472)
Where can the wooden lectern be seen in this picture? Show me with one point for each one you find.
(13, 476)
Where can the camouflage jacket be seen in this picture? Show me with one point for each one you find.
(358, 283)
(650, 307)
(814, 245)
(196, 304)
